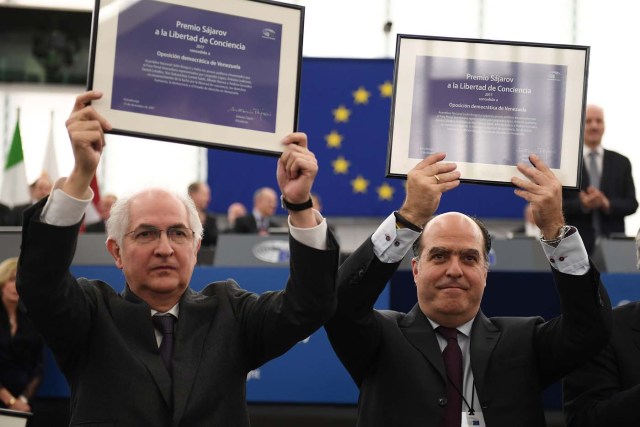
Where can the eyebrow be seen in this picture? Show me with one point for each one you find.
(176, 225)
(438, 250)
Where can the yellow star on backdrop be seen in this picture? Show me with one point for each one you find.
(341, 114)
(340, 165)
(361, 96)
(334, 139)
(386, 89)
(359, 184)
(385, 192)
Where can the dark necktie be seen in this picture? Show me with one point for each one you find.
(594, 180)
(164, 324)
(452, 356)
(594, 171)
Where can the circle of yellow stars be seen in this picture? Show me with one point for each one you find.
(334, 139)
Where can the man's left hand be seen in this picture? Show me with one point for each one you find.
(544, 191)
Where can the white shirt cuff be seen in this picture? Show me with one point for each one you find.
(63, 210)
(391, 244)
(569, 257)
(314, 237)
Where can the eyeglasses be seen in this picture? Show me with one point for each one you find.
(179, 235)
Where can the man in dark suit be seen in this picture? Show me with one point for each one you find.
(501, 365)
(265, 202)
(123, 373)
(37, 190)
(200, 193)
(605, 392)
(607, 194)
(5, 215)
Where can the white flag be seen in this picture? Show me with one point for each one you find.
(50, 163)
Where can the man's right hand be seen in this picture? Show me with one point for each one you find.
(86, 131)
(425, 184)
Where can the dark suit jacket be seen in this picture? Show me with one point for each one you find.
(5, 215)
(104, 342)
(395, 360)
(247, 224)
(210, 230)
(15, 216)
(96, 227)
(606, 391)
(617, 184)
(21, 356)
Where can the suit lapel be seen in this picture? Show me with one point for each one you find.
(141, 340)
(484, 337)
(607, 169)
(635, 327)
(194, 322)
(420, 334)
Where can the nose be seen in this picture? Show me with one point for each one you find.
(163, 246)
(453, 269)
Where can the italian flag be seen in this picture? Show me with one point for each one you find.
(15, 189)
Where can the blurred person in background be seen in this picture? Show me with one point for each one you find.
(21, 348)
(265, 202)
(234, 211)
(106, 202)
(200, 193)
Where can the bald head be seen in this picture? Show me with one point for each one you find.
(593, 126)
(265, 201)
(455, 222)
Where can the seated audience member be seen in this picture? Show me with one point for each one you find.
(605, 391)
(5, 215)
(265, 202)
(529, 227)
(38, 189)
(445, 363)
(106, 202)
(21, 348)
(234, 211)
(160, 353)
(316, 201)
(200, 193)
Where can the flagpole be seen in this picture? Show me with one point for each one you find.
(5, 130)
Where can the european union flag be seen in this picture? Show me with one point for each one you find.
(345, 107)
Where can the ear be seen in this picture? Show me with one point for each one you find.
(114, 250)
(414, 268)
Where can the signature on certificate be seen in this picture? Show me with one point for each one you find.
(251, 113)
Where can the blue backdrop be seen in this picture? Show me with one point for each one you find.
(345, 109)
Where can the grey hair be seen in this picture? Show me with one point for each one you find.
(118, 222)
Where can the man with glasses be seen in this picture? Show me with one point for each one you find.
(191, 369)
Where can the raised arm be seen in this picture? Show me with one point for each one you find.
(583, 328)
(353, 331)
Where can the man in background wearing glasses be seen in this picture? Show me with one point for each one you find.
(191, 369)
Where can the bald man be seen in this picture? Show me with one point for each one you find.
(445, 363)
(607, 194)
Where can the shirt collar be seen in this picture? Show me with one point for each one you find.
(598, 150)
(174, 310)
(464, 329)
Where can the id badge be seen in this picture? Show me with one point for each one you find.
(475, 420)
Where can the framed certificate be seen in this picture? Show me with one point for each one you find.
(488, 105)
(211, 73)
(11, 418)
